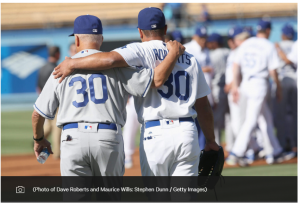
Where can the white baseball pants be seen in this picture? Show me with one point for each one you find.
(92, 154)
(172, 151)
(255, 90)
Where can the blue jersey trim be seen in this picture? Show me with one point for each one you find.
(148, 83)
(44, 113)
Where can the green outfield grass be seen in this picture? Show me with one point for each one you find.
(16, 132)
(16, 138)
(267, 170)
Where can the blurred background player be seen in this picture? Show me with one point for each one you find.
(130, 130)
(235, 113)
(218, 56)
(256, 58)
(50, 125)
(197, 47)
(286, 110)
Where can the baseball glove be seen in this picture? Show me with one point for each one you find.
(210, 168)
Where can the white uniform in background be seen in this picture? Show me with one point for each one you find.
(235, 111)
(202, 56)
(256, 56)
(169, 139)
(286, 123)
(92, 112)
(218, 58)
(129, 132)
(293, 55)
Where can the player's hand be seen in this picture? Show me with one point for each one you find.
(235, 94)
(40, 145)
(211, 146)
(227, 88)
(63, 70)
(174, 46)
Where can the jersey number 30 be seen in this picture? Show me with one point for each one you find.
(170, 87)
(92, 90)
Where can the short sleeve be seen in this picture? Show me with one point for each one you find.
(202, 86)
(293, 55)
(273, 59)
(132, 54)
(136, 82)
(47, 102)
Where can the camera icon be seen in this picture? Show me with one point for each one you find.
(20, 189)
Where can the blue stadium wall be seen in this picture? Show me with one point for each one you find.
(18, 87)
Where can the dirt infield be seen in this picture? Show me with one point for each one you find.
(26, 165)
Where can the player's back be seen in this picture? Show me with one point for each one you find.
(257, 56)
(86, 96)
(176, 97)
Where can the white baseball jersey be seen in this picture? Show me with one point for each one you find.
(286, 69)
(177, 96)
(256, 56)
(86, 96)
(218, 58)
(202, 56)
(293, 55)
(229, 66)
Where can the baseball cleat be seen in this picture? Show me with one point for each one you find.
(270, 159)
(128, 163)
(231, 160)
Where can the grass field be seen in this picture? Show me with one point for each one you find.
(16, 138)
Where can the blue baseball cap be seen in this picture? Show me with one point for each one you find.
(214, 37)
(87, 24)
(263, 24)
(249, 30)
(177, 36)
(234, 31)
(151, 19)
(288, 30)
(201, 32)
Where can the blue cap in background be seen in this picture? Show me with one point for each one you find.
(201, 32)
(234, 31)
(87, 24)
(288, 30)
(249, 30)
(263, 24)
(151, 19)
(214, 37)
(177, 36)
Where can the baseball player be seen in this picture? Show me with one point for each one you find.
(168, 144)
(197, 47)
(130, 130)
(235, 111)
(288, 80)
(256, 58)
(218, 57)
(92, 107)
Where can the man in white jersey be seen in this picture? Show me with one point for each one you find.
(92, 107)
(234, 108)
(256, 58)
(287, 108)
(169, 145)
(198, 48)
(218, 56)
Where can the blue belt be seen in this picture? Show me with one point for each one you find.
(109, 126)
(154, 123)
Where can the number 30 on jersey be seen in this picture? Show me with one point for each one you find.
(92, 90)
(170, 87)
